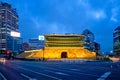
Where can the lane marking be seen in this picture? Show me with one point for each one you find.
(75, 69)
(64, 70)
(104, 76)
(28, 77)
(41, 73)
(60, 73)
(2, 76)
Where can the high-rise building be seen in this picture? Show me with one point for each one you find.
(97, 48)
(9, 24)
(89, 39)
(116, 41)
(90, 44)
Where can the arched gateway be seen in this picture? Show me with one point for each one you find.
(64, 55)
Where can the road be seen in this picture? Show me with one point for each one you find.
(59, 70)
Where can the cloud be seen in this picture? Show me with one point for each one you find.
(57, 28)
(113, 19)
(100, 14)
(114, 14)
(36, 22)
(90, 11)
(49, 27)
(83, 3)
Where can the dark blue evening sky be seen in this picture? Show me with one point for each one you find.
(38, 17)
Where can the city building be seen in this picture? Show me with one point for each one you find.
(9, 33)
(90, 44)
(35, 43)
(97, 48)
(116, 41)
(89, 39)
(26, 46)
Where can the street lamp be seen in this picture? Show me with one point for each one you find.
(42, 38)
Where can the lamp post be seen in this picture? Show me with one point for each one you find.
(41, 38)
(43, 53)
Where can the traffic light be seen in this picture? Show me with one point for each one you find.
(8, 52)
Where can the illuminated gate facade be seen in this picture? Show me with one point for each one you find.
(60, 46)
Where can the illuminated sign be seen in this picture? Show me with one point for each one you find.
(15, 34)
(41, 38)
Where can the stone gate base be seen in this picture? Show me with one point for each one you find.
(68, 52)
(59, 53)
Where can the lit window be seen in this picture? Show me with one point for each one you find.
(3, 48)
(3, 40)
